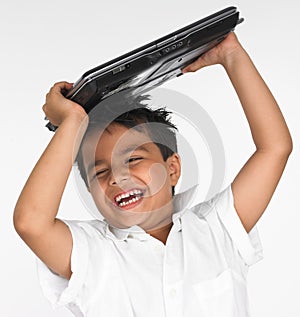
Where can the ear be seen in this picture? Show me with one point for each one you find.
(174, 165)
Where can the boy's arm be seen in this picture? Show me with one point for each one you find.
(256, 182)
(37, 206)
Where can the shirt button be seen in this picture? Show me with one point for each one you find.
(173, 292)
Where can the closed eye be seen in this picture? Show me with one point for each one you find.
(100, 173)
(134, 159)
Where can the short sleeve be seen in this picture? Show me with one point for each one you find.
(248, 244)
(58, 290)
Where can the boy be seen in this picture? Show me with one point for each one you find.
(151, 256)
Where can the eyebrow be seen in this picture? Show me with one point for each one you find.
(134, 148)
(93, 164)
(123, 152)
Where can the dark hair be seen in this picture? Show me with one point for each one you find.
(132, 112)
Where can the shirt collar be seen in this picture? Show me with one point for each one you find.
(186, 199)
(119, 234)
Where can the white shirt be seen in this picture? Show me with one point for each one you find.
(201, 271)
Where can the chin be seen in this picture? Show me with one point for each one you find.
(127, 219)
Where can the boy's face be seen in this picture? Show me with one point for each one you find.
(130, 182)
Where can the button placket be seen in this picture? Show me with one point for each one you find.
(172, 279)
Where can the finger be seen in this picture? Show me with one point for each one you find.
(60, 86)
(194, 66)
(44, 108)
(189, 68)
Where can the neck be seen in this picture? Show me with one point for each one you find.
(161, 233)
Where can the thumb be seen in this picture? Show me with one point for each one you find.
(194, 66)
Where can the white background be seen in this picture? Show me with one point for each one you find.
(47, 41)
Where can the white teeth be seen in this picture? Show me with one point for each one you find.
(130, 201)
(128, 194)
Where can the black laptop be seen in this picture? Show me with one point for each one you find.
(151, 65)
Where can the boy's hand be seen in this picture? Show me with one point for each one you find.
(57, 108)
(222, 54)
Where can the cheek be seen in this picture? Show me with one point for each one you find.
(157, 174)
(98, 192)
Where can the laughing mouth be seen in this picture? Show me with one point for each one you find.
(129, 198)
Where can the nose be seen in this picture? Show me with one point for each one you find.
(119, 175)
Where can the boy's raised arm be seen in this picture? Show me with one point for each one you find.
(256, 182)
(37, 207)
